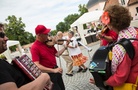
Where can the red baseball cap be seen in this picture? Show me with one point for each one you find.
(41, 29)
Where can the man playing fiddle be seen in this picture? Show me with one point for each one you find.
(107, 36)
(45, 57)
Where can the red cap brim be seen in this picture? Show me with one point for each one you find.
(46, 31)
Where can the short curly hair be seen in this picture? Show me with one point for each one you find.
(120, 17)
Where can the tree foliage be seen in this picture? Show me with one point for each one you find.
(15, 27)
(70, 19)
(53, 32)
(15, 30)
(61, 27)
(82, 9)
(65, 26)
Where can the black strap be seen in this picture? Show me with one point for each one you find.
(126, 43)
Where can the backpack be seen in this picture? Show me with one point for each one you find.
(100, 66)
(100, 61)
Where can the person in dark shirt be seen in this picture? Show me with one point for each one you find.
(11, 78)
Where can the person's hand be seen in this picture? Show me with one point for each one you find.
(76, 46)
(67, 42)
(97, 36)
(58, 70)
(49, 83)
(92, 81)
(100, 35)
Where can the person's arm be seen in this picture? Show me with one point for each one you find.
(121, 74)
(48, 70)
(120, 59)
(61, 51)
(103, 36)
(107, 38)
(43, 80)
(73, 44)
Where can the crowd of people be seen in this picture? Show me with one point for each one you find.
(115, 18)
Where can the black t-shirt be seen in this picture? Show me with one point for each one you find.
(10, 73)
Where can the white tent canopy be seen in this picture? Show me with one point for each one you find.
(12, 43)
(10, 55)
(92, 16)
(88, 17)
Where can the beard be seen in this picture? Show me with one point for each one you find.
(3, 50)
(3, 47)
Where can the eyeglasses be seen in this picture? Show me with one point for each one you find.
(2, 34)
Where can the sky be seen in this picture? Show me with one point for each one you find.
(35, 12)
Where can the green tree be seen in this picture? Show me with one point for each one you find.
(61, 27)
(53, 32)
(82, 9)
(65, 26)
(15, 30)
(70, 19)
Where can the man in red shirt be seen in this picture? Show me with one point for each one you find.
(44, 57)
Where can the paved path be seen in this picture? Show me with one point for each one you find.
(80, 81)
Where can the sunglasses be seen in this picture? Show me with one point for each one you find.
(2, 34)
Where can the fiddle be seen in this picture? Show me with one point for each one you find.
(53, 40)
(104, 30)
(102, 33)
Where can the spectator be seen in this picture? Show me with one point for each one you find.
(65, 55)
(76, 54)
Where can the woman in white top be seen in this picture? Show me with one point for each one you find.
(75, 53)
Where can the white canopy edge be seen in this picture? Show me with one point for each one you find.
(8, 53)
(88, 17)
(12, 43)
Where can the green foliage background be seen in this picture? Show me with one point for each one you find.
(65, 26)
(15, 28)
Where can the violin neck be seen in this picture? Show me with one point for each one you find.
(64, 40)
(105, 29)
(59, 40)
(48, 41)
